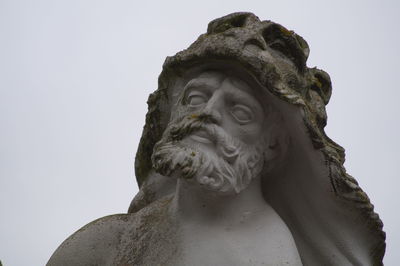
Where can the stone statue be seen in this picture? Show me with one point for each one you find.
(234, 166)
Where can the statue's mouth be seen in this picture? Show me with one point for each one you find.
(201, 136)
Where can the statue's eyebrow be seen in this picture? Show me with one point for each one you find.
(202, 83)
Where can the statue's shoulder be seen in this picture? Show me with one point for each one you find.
(94, 243)
(103, 241)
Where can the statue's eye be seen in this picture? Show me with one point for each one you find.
(196, 99)
(242, 113)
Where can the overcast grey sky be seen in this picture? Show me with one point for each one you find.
(74, 80)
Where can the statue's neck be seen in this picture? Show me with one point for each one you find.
(217, 230)
(196, 204)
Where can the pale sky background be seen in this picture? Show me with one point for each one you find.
(75, 77)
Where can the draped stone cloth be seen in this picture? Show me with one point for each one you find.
(330, 217)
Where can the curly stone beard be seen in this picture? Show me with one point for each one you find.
(228, 169)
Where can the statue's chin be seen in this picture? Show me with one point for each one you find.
(204, 164)
(211, 185)
(225, 170)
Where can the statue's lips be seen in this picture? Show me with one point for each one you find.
(201, 136)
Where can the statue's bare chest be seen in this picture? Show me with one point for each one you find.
(158, 238)
(204, 245)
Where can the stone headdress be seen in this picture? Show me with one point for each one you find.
(329, 215)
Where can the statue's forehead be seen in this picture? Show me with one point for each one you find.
(207, 78)
(215, 79)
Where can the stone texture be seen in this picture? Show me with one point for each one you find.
(328, 215)
(242, 38)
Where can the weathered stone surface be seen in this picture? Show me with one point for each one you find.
(180, 217)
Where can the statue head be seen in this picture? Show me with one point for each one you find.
(240, 103)
(217, 136)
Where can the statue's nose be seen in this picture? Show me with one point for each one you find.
(213, 109)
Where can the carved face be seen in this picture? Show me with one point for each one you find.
(229, 103)
(215, 136)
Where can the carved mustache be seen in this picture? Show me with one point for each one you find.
(228, 146)
(188, 124)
